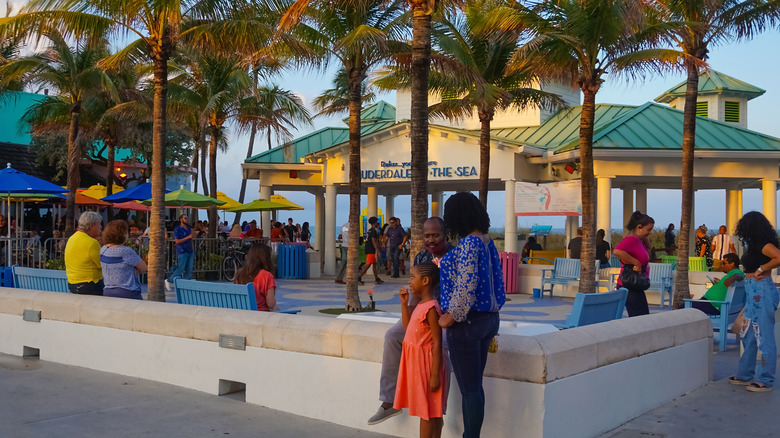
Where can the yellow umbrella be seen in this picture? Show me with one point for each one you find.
(279, 199)
(229, 202)
(99, 191)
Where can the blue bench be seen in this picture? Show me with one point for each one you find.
(564, 272)
(595, 308)
(49, 280)
(729, 309)
(225, 295)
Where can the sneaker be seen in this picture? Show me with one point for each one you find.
(340, 281)
(360, 282)
(383, 414)
(168, 286)
(378, 281)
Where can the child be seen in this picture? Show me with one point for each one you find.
(719, 289)
(422, 374)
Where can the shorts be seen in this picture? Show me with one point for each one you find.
(370, 259)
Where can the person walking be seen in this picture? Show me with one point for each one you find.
(185, 254)
(395, 242)
(372, 245)
(82, 256)
(472, 293)
(422, 377)
(634, 250)
(758, 363)
(344, 245)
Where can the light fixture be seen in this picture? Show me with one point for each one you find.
(569, 168)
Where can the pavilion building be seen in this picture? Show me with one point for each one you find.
(635, 148)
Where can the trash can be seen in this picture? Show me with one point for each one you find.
(291, 261)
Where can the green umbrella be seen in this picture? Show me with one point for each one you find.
(186, 198)
(258, 205)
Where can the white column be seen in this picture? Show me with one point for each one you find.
(510, 220)
(732, 210)
(330, 230)
(390, 205)
(641, 198)
(628, 204)
(769, 194)
(372, 202)
(436, 204)
(604, 205)
(319, 225)
(265, 216)
(572, 223)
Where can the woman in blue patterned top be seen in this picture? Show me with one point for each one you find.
(472, 293)
(121, 265)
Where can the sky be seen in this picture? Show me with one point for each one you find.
(754, 62)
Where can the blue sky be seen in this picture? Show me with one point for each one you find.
(754, 61)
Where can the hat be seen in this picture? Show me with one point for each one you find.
(702, 228)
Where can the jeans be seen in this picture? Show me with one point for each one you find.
(391, 361)
(761, 303)
(636, 303)
(468, 343)
(343, 266)
(183, 269)
(394, 252)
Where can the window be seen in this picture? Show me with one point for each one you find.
(732, 112)
(702, 109)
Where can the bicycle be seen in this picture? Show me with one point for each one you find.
(234, 259)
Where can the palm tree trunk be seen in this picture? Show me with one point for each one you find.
(356, 77)
(249, 150)
(157, 246)
(588, 255)
(213, 181)
(681, 289)
(110, 173)
(74, 176)
(195, 161)
(421, 64)
(484, 156)
(203, 174)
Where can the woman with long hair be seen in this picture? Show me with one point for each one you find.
(762, 255)
(472, 293)
(258, 269)
(634, 250)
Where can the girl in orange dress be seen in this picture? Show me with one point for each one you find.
(422, 374)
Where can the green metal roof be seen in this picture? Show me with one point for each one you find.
(649, 126)
(13, 105)
(374, 117)
(713, 82)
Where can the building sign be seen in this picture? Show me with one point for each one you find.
(403, 170)
(550, 199)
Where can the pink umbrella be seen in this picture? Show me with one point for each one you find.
(131, 205)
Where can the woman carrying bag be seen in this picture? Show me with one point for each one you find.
(634, 254)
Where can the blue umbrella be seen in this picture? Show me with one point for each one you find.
(14, 182)
(137, 193)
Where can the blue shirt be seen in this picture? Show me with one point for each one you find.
(118, 264)
(395, 236)
(181, 232)
(471, 279)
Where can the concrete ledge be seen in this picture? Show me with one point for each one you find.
(589, 376)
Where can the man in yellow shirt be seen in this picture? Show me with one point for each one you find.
(82, 256)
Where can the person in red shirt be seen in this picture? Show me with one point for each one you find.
(276, 232)
(253, 232)
(258, 270)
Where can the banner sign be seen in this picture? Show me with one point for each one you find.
(549, 199)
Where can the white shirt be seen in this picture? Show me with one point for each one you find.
(722, 243)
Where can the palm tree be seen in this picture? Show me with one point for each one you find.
(358, 35)
(274, 110)
(587, 39)
(472, 48)
(693, 27)
(158, 26)
(74, 74)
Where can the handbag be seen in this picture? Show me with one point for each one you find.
(736, 328)
(632, 280)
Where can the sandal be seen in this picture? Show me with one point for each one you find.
(757, 387)
(735, 381)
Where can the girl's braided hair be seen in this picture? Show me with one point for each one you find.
(430, 270)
